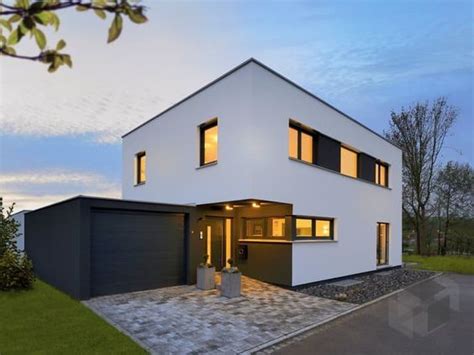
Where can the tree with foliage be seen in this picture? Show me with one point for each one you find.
(25, 17)
(420, 131)
(454, 198)
(16, 269)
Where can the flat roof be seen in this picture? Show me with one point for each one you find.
(253, 60)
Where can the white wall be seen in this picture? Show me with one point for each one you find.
(19, 217)
(253, 107)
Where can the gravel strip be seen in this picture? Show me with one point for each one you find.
(373, 285)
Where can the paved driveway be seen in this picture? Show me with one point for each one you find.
(183, 319)
(433, 317)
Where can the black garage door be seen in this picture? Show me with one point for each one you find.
(134, 250)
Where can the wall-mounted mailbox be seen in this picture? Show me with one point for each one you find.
(243, 251)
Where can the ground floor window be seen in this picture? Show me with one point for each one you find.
(264, 228)
(382, 243)
(314, 227)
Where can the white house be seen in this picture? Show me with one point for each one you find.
(19, 217)
(293, 188)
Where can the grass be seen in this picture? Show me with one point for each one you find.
(459, 264)
(46, 321)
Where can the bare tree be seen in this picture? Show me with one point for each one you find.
(454, 197)
(420, 131)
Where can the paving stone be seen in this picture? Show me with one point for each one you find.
(183, 319)
(346, 283)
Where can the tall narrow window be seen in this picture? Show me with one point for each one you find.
(348, 162)
(209, 137)
(381, 174)
(300, 143)
(141, 168)
(382, 243)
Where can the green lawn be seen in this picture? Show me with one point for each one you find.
(46, 321)
(459, 264)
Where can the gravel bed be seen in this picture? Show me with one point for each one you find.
(373, 286)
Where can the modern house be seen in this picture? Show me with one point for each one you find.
(250, 167)
(290, 186)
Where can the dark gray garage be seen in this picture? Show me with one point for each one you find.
(91, 246)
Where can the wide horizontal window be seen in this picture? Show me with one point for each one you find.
(381, 174)
(314, 228)
(254, 227)
(264, 228)
(300, 144)
(348, 162)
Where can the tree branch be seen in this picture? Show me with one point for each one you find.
(17, 56)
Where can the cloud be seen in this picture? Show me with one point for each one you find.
(34, 189)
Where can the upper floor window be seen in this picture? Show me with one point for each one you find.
(348, 162)
(300, 144)
(141, 168)
(315, 227)
(381, 174)
(208, 144)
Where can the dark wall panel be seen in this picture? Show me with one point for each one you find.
(270, 262)
(328, 153)
(52, 241)
(136, 250)
(366, 167)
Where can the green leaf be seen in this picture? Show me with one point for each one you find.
(15, 36)
(100, 13)
(43, 18)
(54, 21)
(6, 24)
(40, 38)
(137, 16)
(81, 8)
(52, 68)
(67, 60)
(36, 6)
(115, 28)
(15, 18)
(61, 44)
(28, 23)
(3, 40)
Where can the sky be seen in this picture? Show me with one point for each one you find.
(60, 133)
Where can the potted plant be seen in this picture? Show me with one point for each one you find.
(230, 281)
(205, 275)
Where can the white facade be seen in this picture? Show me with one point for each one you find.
(19, 218)
(253, 106)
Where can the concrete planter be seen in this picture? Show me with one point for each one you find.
(205, 278)
(230, 284)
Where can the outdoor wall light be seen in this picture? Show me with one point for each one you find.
(229, 207)
(255, 205)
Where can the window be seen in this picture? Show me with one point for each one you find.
(300, 144)
(276, 227)
(140, 160)
(382, 243)
(348, 162)
(254, 227)
(381, 174)
(208, 145)
(314, 228)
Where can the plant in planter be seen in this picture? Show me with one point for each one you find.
(231, 280)
(205, 274)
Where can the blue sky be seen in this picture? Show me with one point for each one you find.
(60, 133)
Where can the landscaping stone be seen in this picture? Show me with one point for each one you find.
(346, 283)
(368, 287)
(230, 284)
(205, 278)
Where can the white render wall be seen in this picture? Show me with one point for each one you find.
(19, 217)
(253, 107)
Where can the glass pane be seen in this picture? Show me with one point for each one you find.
(377, 173)
(141, 169)
(383, 175)
(210, 145)
(323, 228)
(382, 244)
(254, 227)
(293, 143)
(277, 226)
(306, 147)
(304, 227)
(348, 162)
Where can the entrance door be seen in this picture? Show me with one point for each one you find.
(382, 243)
(218, 240)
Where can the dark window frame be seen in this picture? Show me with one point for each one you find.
(267, 232)
(313, 228)
(202, 130)
(387, 231)
(378, 167)
(312, 133)
(138, 158)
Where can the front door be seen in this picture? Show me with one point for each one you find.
(218, 240)
(382, 243)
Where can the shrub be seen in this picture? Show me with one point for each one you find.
(16, 269)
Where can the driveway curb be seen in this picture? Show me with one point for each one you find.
(330, 319)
